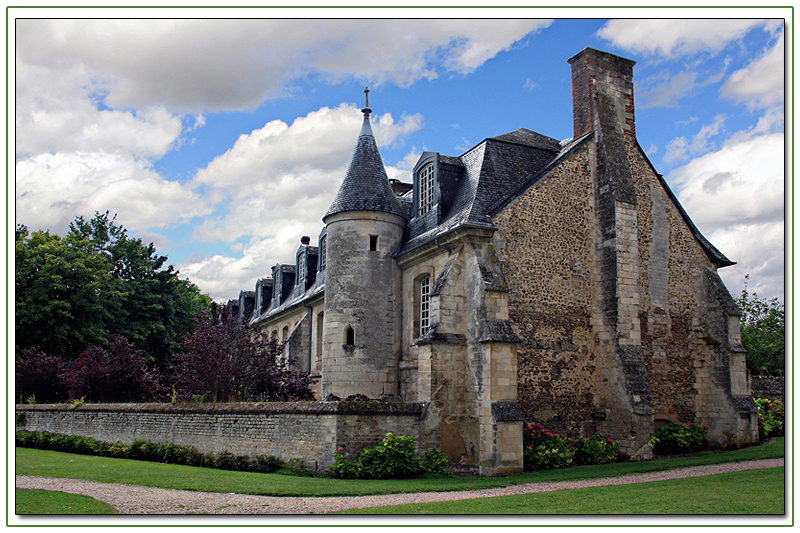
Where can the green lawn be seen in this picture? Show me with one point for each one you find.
(40, 502)
(754, 492)
(109, 470)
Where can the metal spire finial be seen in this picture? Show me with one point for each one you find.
(366, 109)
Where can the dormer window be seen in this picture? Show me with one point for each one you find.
(425, 189)
(301, 269)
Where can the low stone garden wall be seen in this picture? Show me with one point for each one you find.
(769, 387)
(309, 431)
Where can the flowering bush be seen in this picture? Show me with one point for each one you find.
(680, 438)
(595, 450)
(543, 450)
(770, 418)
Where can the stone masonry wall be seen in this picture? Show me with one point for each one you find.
(690, 337)
(544, 244)
(309, 431)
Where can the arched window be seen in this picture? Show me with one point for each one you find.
(349, 336)
(285, 334)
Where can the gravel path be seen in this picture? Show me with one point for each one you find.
(129, 499)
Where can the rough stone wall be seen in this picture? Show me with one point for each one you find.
(310, 432)
(544, 243)
(464, 368)
(772, 388)
(362, 293)
(690, 332)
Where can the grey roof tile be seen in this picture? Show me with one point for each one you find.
(366, 185)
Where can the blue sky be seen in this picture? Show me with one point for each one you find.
(224, 141)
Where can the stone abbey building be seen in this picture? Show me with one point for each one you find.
(525, 280)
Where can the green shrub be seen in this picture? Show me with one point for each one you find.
(143, 450)
(172, 454)
(680, 438)
(267, 464)
(771, 418)
(392, 458)
(295, 467)
(24, 439)
(101, 448)
(42, 440)
(594, 450)
(434, 462)
(344, 469)
(119, 450)
(224, 460)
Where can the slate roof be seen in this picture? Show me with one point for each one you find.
(489, 176)
(366, 185)
(490, 173)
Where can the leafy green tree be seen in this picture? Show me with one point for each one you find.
(97, 281)
(65, 295)
(763, 333)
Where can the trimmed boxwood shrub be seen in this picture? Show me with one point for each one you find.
(142, 450)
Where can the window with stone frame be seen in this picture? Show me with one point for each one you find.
(323, 252)
(424, 305)
(425, 199)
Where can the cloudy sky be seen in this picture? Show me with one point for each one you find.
(224, 141)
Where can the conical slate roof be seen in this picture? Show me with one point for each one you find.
(366, 184)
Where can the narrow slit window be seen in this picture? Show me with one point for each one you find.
(424, 305)
(373, 243)
(349, 337)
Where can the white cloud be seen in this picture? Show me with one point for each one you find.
(761, 83)
(199, 65)
(670, 38)
(668, 93)
(280, 180)
(680, 148)
(52, 189)
(758, 250)
(56, 113)
(736, 197)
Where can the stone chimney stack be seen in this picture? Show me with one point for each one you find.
(602, 93)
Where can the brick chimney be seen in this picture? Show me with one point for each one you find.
(602, 90)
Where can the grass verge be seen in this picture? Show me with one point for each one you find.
(32, 462)
(753, 492)
(41, 502)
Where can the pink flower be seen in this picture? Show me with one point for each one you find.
(610, 441)
(340, 449)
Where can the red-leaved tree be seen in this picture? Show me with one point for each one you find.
(119, 374)
(226, 360)
(40, 377)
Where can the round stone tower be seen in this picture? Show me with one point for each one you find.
(361, 331)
